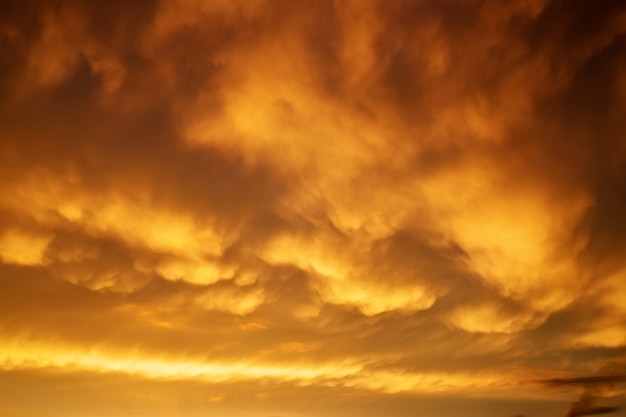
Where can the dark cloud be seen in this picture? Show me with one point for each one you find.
(585, 406)
(593, 388)
(586, 381)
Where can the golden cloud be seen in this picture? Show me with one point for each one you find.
(405, 199)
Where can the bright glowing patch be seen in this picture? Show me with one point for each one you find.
(23, 248)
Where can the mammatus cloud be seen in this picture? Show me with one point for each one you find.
(363, 206)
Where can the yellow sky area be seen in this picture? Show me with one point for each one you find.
(513, 251)
(16, 354)
(274, 113)
(608, 330)
(420, 198)
(488, 318)
(613, 292)
(51, 200)
(519, 238)
(275, 107)
(512, 235)
(122, 217)
(609, 333)
(237, 301)
(343, 274)
(133, 219)
(203, 271)
(22, 247)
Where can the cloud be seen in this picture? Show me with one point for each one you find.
(21, 248)
(586, 381)
(584, 407)
(406, 198)
(594, 388)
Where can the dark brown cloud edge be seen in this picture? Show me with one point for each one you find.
(584, 381)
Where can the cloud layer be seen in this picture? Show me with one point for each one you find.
(325, 200)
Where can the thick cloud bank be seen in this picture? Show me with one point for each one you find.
(316, 207)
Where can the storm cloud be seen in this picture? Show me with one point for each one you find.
(313, 207)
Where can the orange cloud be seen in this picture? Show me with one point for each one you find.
(312, 202)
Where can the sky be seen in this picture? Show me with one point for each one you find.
(338, 208)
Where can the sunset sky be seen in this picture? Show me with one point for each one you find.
(312, 208)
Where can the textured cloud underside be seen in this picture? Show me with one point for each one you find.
(286, 199)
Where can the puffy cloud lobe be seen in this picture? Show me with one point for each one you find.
(423, 189)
